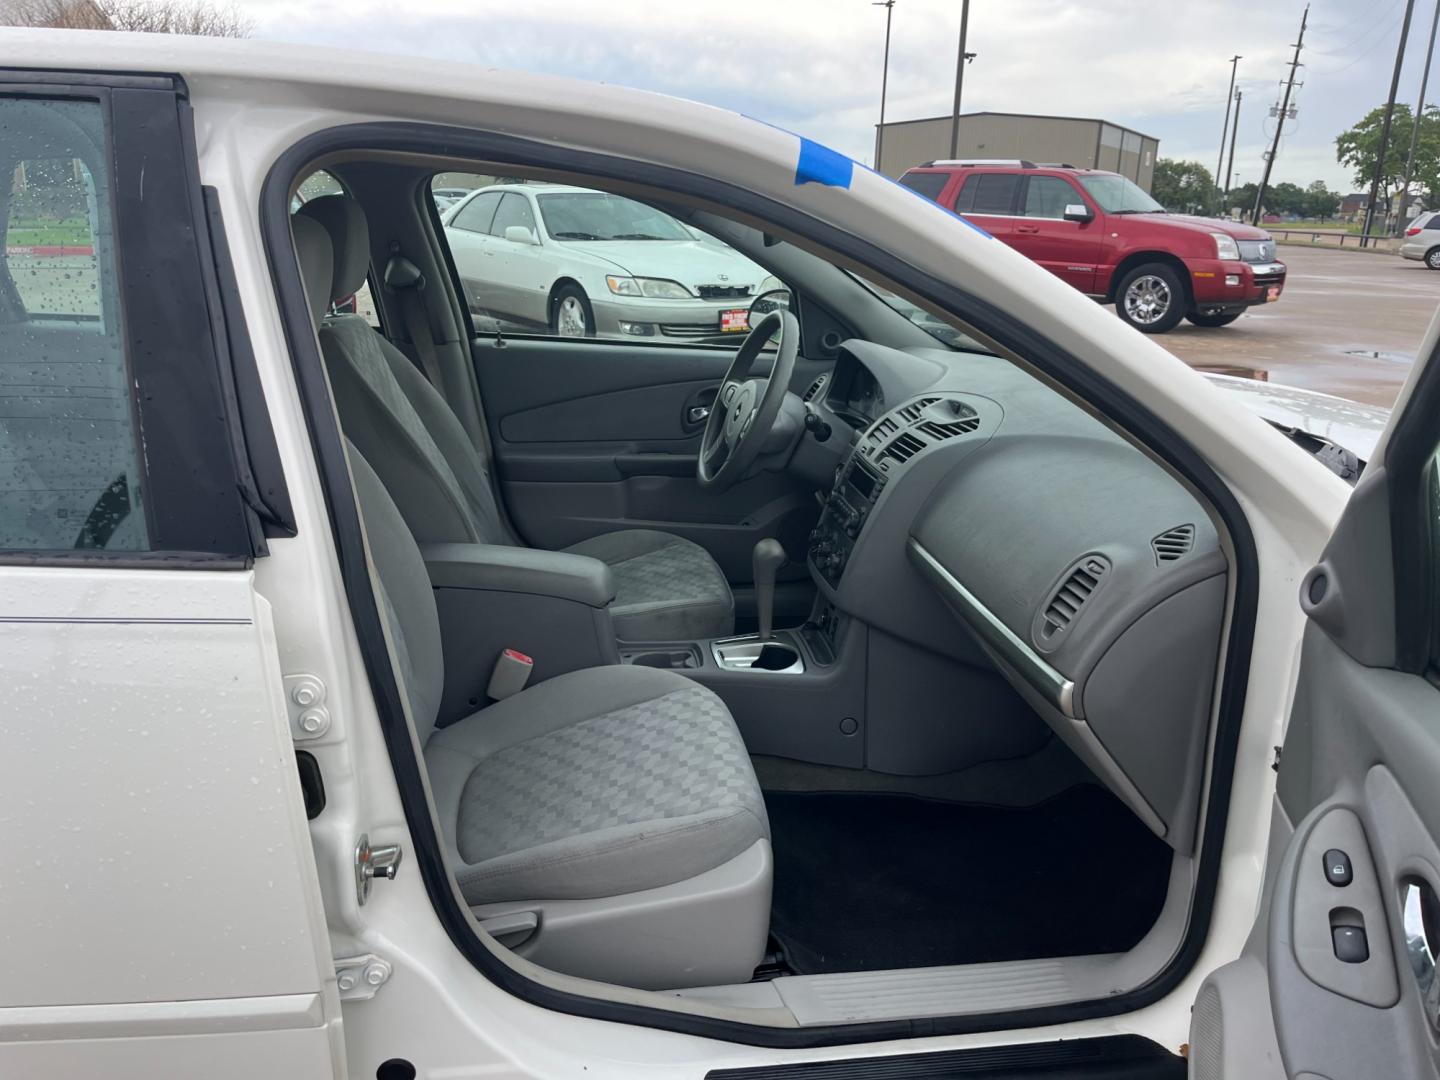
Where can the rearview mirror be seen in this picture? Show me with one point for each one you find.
(1078, 212)
(519, 234)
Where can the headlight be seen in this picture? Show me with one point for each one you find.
(654, 288)
(1225, 246)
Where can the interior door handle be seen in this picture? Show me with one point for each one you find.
(698, 414)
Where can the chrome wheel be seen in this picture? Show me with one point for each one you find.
(1148, 299)
(570, 320)
(1432, 258)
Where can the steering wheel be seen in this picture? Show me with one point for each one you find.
(745, 408)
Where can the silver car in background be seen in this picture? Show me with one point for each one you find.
(581, 263)
(1422, 240)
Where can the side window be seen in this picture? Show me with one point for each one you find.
(514, 209)
(606, 266)
(70, 473)
(475, 216)
(1047, 197)
(989, 193)
(929, 184)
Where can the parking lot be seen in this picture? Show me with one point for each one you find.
(1349, 323)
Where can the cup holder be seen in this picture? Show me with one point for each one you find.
(665, 658)
(751, 654)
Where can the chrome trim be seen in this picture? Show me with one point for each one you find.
(1013, 649)
(1266, 268)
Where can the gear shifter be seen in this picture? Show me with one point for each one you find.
(769, 556)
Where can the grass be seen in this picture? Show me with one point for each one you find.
(35, 232)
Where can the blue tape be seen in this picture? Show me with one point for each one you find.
(821, 165)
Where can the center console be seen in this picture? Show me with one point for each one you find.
(857, 489)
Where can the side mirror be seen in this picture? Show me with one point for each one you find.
(1078, 212)
(766, 302)
(519, 234)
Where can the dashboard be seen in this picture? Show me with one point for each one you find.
(976, 512)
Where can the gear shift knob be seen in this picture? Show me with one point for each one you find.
(769, 556)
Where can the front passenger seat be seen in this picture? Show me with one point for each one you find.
(667, 588)
(606, 823)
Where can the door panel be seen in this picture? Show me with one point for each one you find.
(592, 436)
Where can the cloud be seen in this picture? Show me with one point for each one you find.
(814, 65)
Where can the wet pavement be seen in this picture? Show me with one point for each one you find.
(1348, 323)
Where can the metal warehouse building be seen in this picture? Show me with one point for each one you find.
(1084, 143)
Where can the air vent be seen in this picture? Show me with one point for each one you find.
(876, 436)
(906, 445)
(910, 413)
(940, 430)
(1173, 544)
(1065, 605)
(816, 387)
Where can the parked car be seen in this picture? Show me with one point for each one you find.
(1422, 240)
(1104, 235)
(582, 263)
(446, 197)
(393, 702)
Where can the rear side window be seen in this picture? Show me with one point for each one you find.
(69, 470)
(476, 215)
(989, 193)
(929, 184)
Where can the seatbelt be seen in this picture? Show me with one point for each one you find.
(405, 279)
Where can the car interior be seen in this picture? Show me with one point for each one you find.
(846, 671)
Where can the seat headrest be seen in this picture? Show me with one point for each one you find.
(349, 232)
(317, 263)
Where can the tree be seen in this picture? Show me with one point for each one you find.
(145, 16)
(1242, 198)
(1184, 186)
(1285, 198)
(1320, 201)
(1360, 149)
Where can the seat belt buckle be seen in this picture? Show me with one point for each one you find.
(511, 673)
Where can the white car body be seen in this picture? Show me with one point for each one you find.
(1422, 240)
(517, 280)
(168, 910)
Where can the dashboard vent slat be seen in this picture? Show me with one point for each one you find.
(906, 445)
(816, 387)
(910, 413)
(1067, 601)
(941, 430)
(1173, 544)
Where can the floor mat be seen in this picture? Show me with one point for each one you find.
(865, 882)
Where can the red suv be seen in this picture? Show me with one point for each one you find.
(1109, 239)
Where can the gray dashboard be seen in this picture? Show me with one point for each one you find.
(982, 515)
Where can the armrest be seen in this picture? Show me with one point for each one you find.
(498, 568)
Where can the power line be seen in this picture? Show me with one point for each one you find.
(1356, 58)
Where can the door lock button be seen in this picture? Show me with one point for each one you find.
(1337, 868)
(1350, 944)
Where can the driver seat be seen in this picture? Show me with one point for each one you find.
(667, 588)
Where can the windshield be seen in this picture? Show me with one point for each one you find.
(595, 215)
(940, 331)
(1116, 195)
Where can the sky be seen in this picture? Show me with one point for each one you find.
(814, 66)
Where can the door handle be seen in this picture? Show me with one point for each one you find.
(698, 414)
(1027, 228)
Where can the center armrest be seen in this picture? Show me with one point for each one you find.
(500, 568)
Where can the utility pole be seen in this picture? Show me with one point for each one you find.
(1239, 97)
(1281, 118)
(889, 6)
(1415, 124)
(1229, 96)
(960, 58)
(1385, 126)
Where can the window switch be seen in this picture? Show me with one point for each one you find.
(1350, 944)
(1337, 868)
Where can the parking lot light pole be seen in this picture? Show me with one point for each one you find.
(1239, 97)
(1229, 98)
(889, 6)
(961, 56)
(1415, 125)
(1385, 126)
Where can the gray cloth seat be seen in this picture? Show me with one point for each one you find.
(617, 804)
(667, 587)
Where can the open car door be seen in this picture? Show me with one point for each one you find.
(1338, 979)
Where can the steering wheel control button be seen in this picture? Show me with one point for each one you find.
(1350, 944)
(1338, 871)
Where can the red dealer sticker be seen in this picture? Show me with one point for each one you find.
(734, 320)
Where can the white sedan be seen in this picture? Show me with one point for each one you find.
(581, 263)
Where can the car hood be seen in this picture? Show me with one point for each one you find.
(1238, 229)
(1346, 424)
(690, 262)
